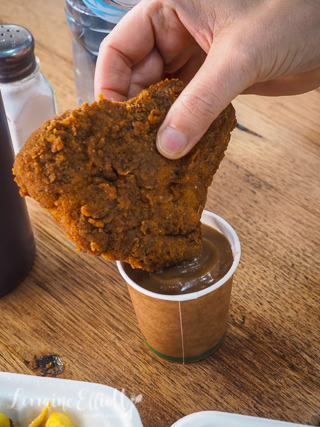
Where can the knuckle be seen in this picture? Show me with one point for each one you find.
(199, 106)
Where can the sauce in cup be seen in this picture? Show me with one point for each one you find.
(210, 265)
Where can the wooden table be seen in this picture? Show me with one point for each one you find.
(268, 188)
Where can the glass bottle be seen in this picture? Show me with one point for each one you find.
(91, 21)
(17, 246)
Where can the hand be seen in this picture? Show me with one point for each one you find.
(220, 48)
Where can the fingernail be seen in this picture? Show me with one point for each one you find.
(171, 142)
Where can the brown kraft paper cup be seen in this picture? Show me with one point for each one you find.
(187, 327)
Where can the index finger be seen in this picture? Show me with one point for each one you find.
(128, 43)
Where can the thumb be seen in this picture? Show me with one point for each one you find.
(216, 84)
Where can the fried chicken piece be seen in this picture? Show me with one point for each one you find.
(97, 170)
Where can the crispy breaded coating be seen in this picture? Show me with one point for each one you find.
(97, 170)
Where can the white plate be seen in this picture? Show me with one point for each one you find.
(224, 419)
(22, 397)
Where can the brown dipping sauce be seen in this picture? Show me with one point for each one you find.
(210, 265)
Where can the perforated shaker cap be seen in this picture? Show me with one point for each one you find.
(17, 59)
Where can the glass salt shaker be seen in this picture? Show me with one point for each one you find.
(28, 97)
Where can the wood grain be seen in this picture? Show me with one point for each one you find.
(268, 188)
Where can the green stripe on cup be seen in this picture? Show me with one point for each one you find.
(187, 359)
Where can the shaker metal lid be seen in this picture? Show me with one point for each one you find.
(17, 59)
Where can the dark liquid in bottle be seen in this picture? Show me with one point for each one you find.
(210, 265)
(17, 247)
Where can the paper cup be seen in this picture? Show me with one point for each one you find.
(187, 327)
